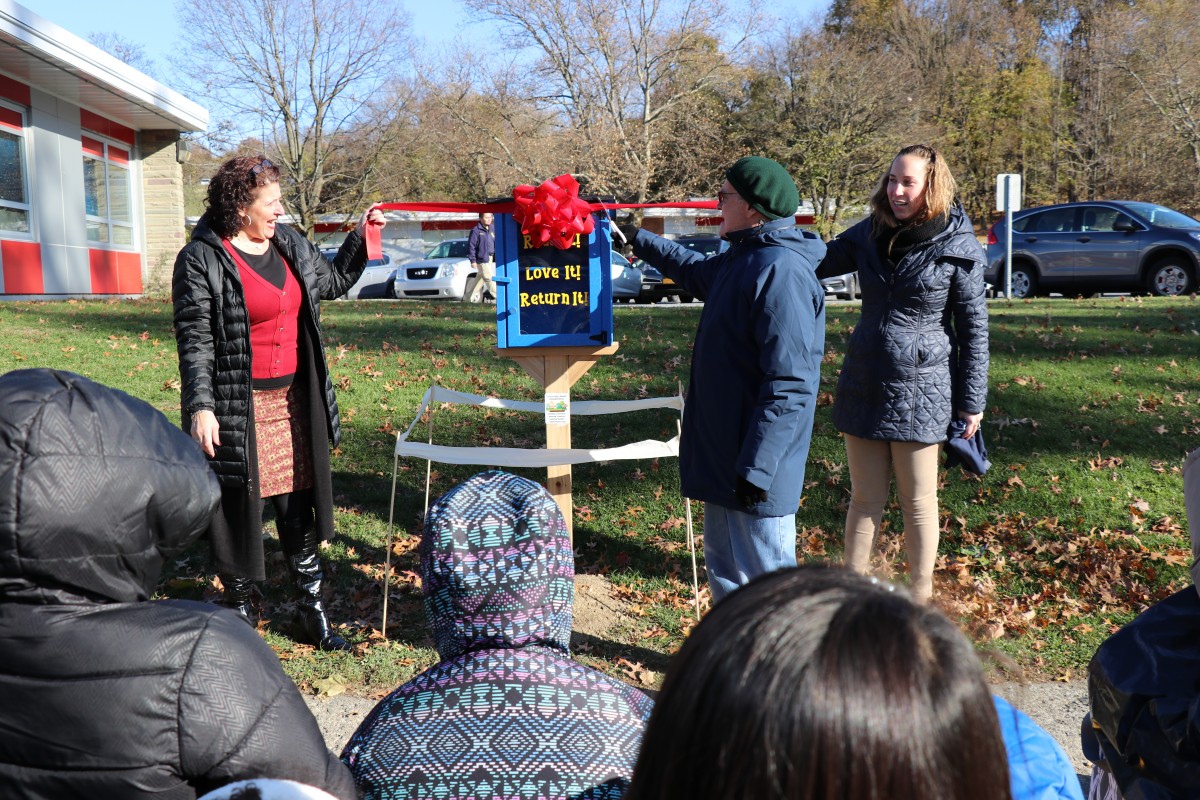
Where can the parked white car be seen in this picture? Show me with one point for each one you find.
(442, 275)
(375, 281)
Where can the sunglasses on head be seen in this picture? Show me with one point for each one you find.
(260, 166)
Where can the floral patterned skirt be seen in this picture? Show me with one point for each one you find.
(281, 439)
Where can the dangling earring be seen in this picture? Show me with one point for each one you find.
(247, 219)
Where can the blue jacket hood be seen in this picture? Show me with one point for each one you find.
(783, 232)
(497, 567)
(1038, 768)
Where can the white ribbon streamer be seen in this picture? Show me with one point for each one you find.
(580, 408)
(519, 457)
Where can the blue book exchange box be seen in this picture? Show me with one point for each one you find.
(550, 297)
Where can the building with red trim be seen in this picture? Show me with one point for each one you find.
(91, 190)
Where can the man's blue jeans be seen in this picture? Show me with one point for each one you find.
(740, 546)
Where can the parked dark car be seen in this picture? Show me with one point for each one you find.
(655, 286)
(1082, 248)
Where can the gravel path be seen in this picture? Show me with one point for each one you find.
(1058, 707)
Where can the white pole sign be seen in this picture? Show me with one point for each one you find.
(1008, 200)
(1008, 192)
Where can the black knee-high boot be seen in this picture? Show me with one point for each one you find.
(237, 595)
(298, 536)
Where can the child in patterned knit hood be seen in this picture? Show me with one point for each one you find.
(506, 712)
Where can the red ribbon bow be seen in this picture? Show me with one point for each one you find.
(552, 213)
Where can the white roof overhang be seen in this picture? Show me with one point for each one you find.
(37, 52)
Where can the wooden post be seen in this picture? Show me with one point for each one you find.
(558, 477)
(556, 370)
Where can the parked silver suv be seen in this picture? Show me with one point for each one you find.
(1082, 248)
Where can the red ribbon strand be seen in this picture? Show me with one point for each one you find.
(550, 213)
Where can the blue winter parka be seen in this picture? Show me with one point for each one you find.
(756, 362)
(919, 351)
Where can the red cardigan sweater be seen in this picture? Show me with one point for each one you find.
(274, 321)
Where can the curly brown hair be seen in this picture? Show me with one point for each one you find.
(233, 187)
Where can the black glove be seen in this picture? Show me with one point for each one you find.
(629, 231)
(748, 494)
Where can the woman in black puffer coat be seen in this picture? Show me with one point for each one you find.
(918, 355)
(256, 391)
(105, 693)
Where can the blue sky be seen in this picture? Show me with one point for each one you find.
(153, 25)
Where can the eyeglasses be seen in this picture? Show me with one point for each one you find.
(722, 195)
(260, 166)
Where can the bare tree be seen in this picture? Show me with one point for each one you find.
(1160, 57)
(124, 50)
(300, 74)
(831, 112)
(485, 131)
(694, 145)
(997, 107)
(1103, 100)
(972, 77)
(618, 69)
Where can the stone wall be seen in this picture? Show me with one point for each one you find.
(162, 190)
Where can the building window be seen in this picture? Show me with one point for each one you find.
(14, 198)
(106, 193)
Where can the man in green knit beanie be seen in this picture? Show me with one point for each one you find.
(756, 368)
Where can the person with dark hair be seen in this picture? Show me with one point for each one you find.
(481, 253)
(256, 391)
(918, 356)
(815, 683)
(756, 370)
(105, 693)
(506, 712)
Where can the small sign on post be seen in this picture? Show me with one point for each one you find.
(1008, 200)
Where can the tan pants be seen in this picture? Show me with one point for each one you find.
(915, 465)
(484, 282)
(487, 271)
(486, 276)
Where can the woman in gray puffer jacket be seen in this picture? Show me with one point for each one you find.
(918, 355)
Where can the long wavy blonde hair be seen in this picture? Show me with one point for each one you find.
(939, 189)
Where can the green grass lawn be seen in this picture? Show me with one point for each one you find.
(1078, 525)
